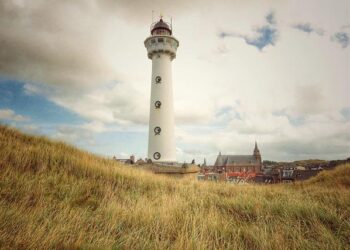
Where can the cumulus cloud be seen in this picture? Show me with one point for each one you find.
(79, 55)
(88, 56)
(309, 99)
(75, 134)
(115, 103)
(10, 115)
(30, 128)
(72, 44)
(55, 43)
(320, 136)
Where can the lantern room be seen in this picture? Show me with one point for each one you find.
(161, 28)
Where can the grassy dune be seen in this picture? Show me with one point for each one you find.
(53, 195)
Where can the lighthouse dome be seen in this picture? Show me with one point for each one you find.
(160, 28)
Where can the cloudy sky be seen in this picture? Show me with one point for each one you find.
(276, 72)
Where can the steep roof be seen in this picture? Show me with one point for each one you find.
(223, 160)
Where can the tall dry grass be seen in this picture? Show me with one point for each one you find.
(54, 196)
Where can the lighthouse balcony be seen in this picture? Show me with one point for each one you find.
(161, 44)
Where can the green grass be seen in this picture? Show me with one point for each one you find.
(53, 195)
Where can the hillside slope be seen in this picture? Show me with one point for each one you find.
(55, 196)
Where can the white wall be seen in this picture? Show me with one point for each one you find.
(164, 143)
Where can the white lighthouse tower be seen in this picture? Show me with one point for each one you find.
(161, 47)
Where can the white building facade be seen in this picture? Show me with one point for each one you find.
(161, 47)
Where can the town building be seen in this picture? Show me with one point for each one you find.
(239, 163)
(130, 160)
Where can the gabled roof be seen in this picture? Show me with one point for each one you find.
(223, 160)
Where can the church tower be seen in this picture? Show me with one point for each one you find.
(256, 153)
(161, 48)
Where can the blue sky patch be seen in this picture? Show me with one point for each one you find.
(346, 113)
(270, 18)
(227, 113)
(47, 118)
(342, 38)
(120, 144)
(37, 108)
(295, 121)
(305, 27)
(264, 35)
(308, 28)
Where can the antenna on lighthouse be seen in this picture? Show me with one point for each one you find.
(171, 24)
(152, 16)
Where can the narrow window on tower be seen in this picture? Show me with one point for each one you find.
(157, 104)
(157, 130)
(153, 41)
(160, 40)
(158, 79)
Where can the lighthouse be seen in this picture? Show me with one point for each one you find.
(161, 48)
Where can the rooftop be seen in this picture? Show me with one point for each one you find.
(161, 25)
